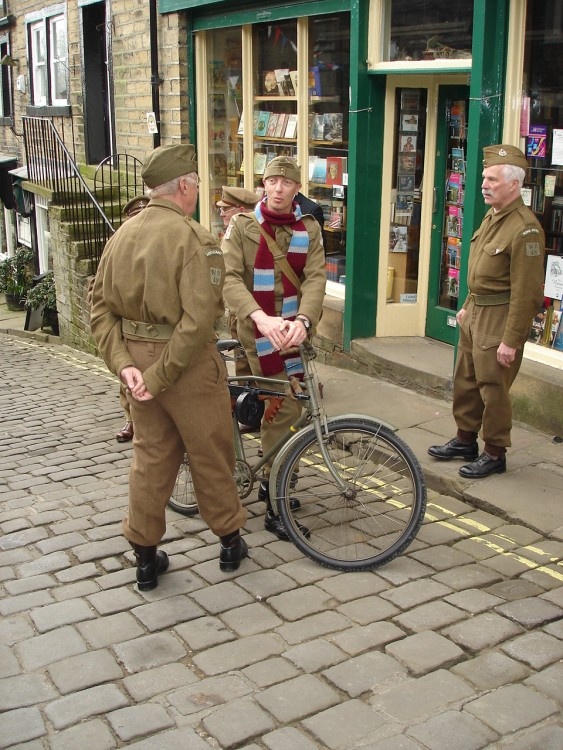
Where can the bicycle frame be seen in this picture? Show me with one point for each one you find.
(313, 413)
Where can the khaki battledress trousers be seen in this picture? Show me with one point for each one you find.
(481, 394)
(192, 416)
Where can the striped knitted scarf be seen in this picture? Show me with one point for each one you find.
(271, 361)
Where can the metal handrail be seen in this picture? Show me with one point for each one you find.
(50, 164)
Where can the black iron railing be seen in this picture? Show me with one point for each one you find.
(117, 180)
(50, 163)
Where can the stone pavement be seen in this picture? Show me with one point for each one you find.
(456, 644)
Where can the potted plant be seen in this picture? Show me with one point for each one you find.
(15, 277)
(42, 296)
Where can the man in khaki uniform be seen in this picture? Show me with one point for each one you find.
(273, 314)
(236, 200)
(505, 280)
(157, 295)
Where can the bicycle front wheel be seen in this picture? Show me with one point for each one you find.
(378, 513)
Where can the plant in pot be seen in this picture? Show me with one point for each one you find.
(15, 277)
(42, 296)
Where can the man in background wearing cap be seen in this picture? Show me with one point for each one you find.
(505, 280)
(273, 313)
(237, 200)
(157, 295)
(125, 434)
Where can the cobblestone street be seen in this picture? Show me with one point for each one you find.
(458, 644)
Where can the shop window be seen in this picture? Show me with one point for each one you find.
(541, 127)
(224, 115)
(295, 110)
(433, 30)
(48, 58)
(404, 235)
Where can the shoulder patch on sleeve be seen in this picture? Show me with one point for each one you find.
(228, 231)
(530, 230)
(216, 276)
(532, 248)
(213, 251)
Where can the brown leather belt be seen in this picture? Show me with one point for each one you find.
(502, 298)
(135, 329)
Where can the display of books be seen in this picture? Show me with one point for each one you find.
(314, 81)
(269, 83)
(261, 123)
(281, 80)
(453, 250)
(454, 192)
(293, 77)
(291, 127)
(335, 169)
(281, 126)
(333, 122)
(335, 266)
(272, 124)
(398, 239)
(453, 282)
(317, 129)
(319, 170)
(454, 221)
(259, 162)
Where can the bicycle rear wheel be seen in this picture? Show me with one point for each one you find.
(183, 498)
(378, 514)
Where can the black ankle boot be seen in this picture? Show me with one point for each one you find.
(233, 550)
(150, 564)
(264, 494)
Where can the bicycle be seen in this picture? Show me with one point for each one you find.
(361, 492)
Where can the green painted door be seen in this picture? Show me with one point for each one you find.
(447, 216)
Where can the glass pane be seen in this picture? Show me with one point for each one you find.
(329, 78)
(224, 86)
(435, 30)
(456, 116)
(275, 94)
(39, 72)
(404, 236)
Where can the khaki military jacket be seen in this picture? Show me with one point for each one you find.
(240, 245)
(160, 267)
(506, 255)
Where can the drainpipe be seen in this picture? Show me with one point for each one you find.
(156, 80)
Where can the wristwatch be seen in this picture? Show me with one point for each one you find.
(306, 322)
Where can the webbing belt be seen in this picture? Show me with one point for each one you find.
(490, 299)
(135, 329)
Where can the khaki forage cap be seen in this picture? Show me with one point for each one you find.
(236, 196)
(135, 205)
(283, 166)
(503, 153)
(167, 162)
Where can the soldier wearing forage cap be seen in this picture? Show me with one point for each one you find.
(275, 312)
(505, 281)
(157, 295)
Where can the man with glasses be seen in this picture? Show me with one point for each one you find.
(157, 296)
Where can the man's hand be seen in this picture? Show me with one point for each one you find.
(132, 378)
(282, 334)
(505, 355)
(460, 314)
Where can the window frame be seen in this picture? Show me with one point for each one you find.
(41, 29)
(6, 103)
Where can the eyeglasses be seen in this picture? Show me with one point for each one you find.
(225, 211)
(195, 181)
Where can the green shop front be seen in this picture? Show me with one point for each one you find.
(386, 105)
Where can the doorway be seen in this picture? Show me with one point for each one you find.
(97, 111)
(447, 213)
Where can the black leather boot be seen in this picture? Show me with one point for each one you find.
(272, 522)
(150, 564)
(233, 551)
